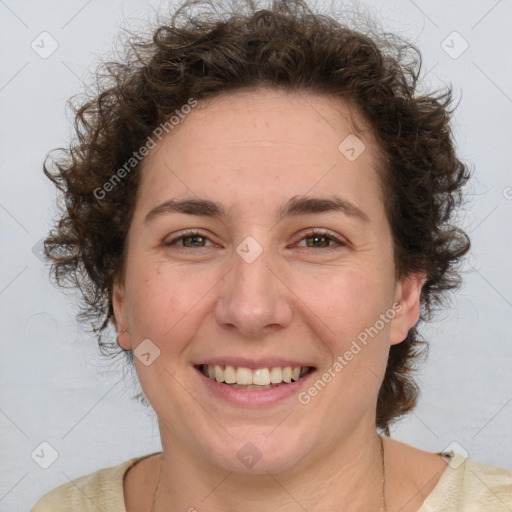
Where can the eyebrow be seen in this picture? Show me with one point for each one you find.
(296, 206)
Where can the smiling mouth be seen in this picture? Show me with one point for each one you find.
(259, 379)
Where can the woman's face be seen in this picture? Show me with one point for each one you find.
(255, 288)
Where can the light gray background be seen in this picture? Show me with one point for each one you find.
(55, 388)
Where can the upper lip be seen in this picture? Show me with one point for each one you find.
(268, 362)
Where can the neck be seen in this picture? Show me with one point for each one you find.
(349, 477)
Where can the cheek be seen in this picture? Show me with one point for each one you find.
(345, 311)
(164, 300)
(343, 303)
(347, 296)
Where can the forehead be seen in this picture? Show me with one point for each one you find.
(265, 141)
(292, 117)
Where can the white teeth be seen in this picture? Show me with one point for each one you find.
(219, 374)
(230, 375)
(242, 376)
(261, 377)
(276, 375)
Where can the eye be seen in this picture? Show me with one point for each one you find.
(321, 239)
(316, 239)
(190, 239)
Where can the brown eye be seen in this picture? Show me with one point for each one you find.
(323, 240)
(318, 241)
(189, 239)
(193, 240)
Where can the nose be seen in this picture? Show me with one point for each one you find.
(253, 299)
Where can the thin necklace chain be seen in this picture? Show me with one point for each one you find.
(383, 507)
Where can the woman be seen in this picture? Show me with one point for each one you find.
(261, 204)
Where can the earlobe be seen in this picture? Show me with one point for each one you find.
(122, 343)
(120, 318)
(408, 310)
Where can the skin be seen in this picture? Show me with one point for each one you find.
(252, 151)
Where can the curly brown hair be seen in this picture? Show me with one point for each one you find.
(288, 47)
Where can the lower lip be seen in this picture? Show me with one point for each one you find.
(253, 397)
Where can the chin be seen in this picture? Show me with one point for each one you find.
(255, 452)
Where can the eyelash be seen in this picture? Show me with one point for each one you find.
(312, 233)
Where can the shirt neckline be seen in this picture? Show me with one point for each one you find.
(455, 467)
(438, 494)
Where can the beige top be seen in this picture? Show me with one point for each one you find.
(465, 486)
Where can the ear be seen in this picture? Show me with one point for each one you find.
(407, 300)
(120, 316)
